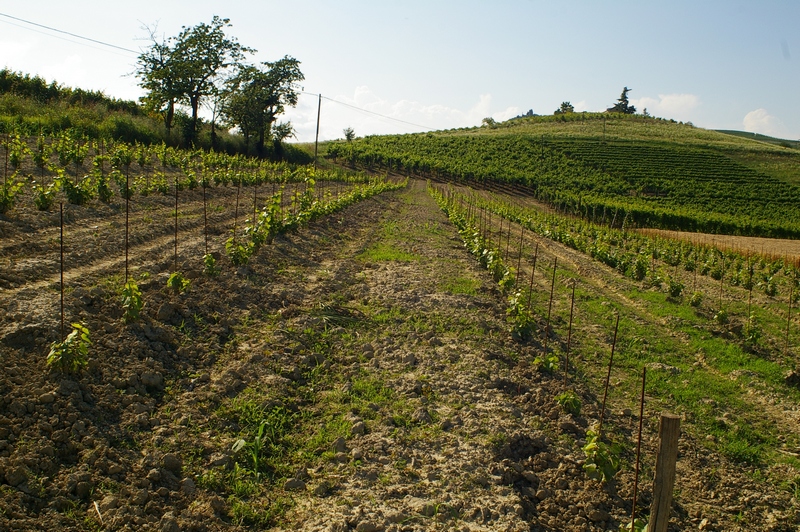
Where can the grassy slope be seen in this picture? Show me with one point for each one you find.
(660, 173)
(761, 153)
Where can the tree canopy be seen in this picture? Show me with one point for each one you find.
(204, 66)
(565, 108)
(254, 97)
(622, 105)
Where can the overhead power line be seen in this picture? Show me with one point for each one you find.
(372, 112)
(70, 34)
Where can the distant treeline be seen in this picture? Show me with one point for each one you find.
(30, 106)
(36, 88)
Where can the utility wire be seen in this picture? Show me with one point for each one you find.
(70, 34)
(371, 112)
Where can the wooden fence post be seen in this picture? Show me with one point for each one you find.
(664, 480)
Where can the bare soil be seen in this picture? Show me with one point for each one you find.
(374, 331)
(769, 247)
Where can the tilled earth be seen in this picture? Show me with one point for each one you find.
(358, 374)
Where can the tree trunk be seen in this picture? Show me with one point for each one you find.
(260, 145)
(169, 117)
(194, 100)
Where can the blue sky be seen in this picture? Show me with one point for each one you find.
(443, 64)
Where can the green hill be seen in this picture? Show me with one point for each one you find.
(619, 169)
(31, 106)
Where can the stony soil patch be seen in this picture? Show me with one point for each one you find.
(376, 355)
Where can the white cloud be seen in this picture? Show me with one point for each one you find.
(581, 106)
(416, 116)
(675, 106)
(760, 121)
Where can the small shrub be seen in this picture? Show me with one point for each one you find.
(570, 402)
(43, 196)
(131, 301)
(721, 317)
(640, 268)
(547, 363)
(696, 299)
(638, 525)
(751, 332)
(239, 253)
(674, 287)
(770, 288)
(79, 193)
(8, 193)
(602, 460)
(210, 265)
(72, 354)
(178, 283)
(103, 190)
(523, 323)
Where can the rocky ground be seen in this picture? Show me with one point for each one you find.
(357, 374)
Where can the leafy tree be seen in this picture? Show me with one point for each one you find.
(489, 122)
(188, 68)
(622, 105)
(255, 97)
(349, 134)
(156, 73)
(565, 108)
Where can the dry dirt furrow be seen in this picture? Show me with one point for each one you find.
(376, 354)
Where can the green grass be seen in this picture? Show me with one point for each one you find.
(461, 285)
(385, 251)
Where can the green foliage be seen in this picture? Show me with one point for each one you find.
(623, 104)
(103, 190)
(132, 301)
(210, 267)
(674, 287)
(239, 252)
(178, 283)
(602, 459)
(570, 402)
(696, 299)
(751, 333)
(268, 441)
(8, 193)
(640, 268)
(255, 96)
(523, 322)
(638, 525)
(17, 149)
(72, 354)
(43, 196)
(721, 317)
(76, 193)
(41, 155)
(187, 67)
(547, 363)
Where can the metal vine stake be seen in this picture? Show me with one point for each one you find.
(550, 304)
(205, 215)
(608, 378)
(569, 331)
(127, 217)
(508, 239)
(176, 223)
(533, 271)
(638, 449)
(62, 270)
